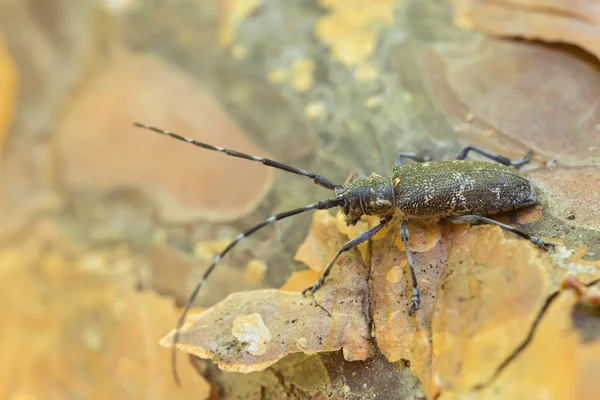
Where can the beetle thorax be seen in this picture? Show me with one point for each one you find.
(371, 196)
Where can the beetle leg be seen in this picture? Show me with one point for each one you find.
(493, 156)
(363, 237)
(472, 219)
(411, 156)
(414, 302)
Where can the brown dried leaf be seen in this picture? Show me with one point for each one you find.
(275, 323)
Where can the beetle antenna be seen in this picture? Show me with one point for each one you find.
(321, 205)
(318, 179)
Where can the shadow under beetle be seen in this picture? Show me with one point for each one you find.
(461, 191)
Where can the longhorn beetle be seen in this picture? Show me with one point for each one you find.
(461, 191)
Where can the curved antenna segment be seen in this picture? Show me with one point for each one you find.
(321, 205)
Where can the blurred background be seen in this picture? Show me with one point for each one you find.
(105, 228)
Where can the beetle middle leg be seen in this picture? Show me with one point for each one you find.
(414, 301)
(473, 219)
(363, 237)
(493, 156)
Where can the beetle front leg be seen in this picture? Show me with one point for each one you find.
(414, 302)
(363, 237)
(473, 219)
(493, 156)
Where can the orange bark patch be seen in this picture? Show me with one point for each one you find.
(316, 251)
(421, 237)
(560, 360)
(8, 92)
(76, 326)
(300, 280)
(100, 150)
(480, 293)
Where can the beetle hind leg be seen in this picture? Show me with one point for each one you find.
(475, 219)
(414, 301)
(493, 156)
(402, 157)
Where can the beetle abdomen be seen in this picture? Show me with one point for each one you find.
(460, 187)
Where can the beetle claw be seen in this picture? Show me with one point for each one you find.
(414, 306)
(313, 288)
(541, 243)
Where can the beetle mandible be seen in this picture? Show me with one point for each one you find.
(461, 191)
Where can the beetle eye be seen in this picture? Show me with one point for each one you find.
(343, 203)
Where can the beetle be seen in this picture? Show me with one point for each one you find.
(461, 191)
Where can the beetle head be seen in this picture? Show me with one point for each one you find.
(348, 197)
(371, 196)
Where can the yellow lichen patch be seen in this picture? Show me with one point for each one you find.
(278, 75)
(314, 110)
(480, 294)
(8, 92)
(77, 326)
(351, 28)
(373, 101)
(560, 362)
(255, 271)
(366, 73)
(335, 317)
(302, 74)
(239, 52)
(231, 14)
(252, 333)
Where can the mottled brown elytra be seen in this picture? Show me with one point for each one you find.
(461, 191)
